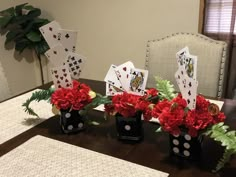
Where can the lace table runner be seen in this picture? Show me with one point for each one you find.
(14, 120)
(41, 156)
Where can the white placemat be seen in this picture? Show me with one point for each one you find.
(14, 120)
(217, 102)
(41, 156)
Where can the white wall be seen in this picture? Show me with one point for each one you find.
(112, 31)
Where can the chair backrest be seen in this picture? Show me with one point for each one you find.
(4, 87)
(211, 66)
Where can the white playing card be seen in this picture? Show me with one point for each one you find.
(75, 63)
(112, 90)
(191, 66)
(50, 33)
(123, 73)
(181, 56)
(61, 77)
(56, 55)
(68, 39)
(112, 78)
(137, 81)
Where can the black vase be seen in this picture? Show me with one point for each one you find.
(129, 128)
(71, 121)
(185, 146)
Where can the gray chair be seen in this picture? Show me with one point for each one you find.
(4, 87)
(211, 66)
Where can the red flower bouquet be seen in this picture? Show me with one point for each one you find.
(128, 104)
(174, 115)
(75, 98)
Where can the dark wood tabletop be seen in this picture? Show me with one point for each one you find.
(152, 151)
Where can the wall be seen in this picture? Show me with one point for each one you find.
(114, 31)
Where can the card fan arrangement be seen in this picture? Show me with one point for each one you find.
(66, 63)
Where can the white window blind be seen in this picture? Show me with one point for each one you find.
(219, 14)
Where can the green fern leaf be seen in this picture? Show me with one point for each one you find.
(165, 88)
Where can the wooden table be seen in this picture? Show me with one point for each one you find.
(152, 152)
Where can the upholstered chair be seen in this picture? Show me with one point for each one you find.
(211, 66)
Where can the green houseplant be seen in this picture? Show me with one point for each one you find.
(21, 26)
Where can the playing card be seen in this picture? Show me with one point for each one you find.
(138, 81)
(112, 78)
(180, 77)
(75, 63)
(181, 56)
(50, 33)
(191, 92)
(61, 77)
(123, 73)
(56, 55)
(191, 66)
(111, 90)
(68, 39)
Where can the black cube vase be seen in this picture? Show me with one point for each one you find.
(129, 128)
(185, 147)
(71, 121)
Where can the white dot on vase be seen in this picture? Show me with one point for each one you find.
(187, 145)
(186, 153)
(127, 127)
(187, 137)
(175, 142)
(80, 125)
(176, 136)
(70, 127)
(67, 115)
(176, 150)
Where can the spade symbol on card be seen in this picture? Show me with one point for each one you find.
(67, 35)
(188, 101)
(124, 68)
(189, 93)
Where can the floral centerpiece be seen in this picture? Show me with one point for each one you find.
(72, 103)
(128, 108)
(187, 127)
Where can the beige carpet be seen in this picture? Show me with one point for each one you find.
(14, 120)
(41, 156)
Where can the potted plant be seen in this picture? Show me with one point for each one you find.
(21, 24)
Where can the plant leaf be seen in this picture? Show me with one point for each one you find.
(4, 21)
(18, 9)
(33, 36)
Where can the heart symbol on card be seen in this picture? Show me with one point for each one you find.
(124, 68)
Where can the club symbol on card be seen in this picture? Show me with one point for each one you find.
(80, 61)
(67, 35)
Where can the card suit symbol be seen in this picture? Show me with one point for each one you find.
(55, 52)
(139, 90)
(64, 70)
(58, 82)
(182, 72)
(80, 61)
(124, 68)
(119, 75)
(72, 58)
(65, 74)
(56, 76)
(127, 76)
(61, 78)
(70, 65)
(75, 62)
(72, 69)
(50, 28)
(110, 90)
(188, 101)
(54, 36)
(67, 36)
(77, 67)
(59, 86)
(73, 47)
(55, 72)
(178, 77)
(67, 85)
(66, 49)
(75, 73)
(190, 84)
(80, 71)
(66, 80)
(189, 93)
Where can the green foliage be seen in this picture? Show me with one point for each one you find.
(165, 88)
(37, 96)
(22, 26)
(219, 132)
